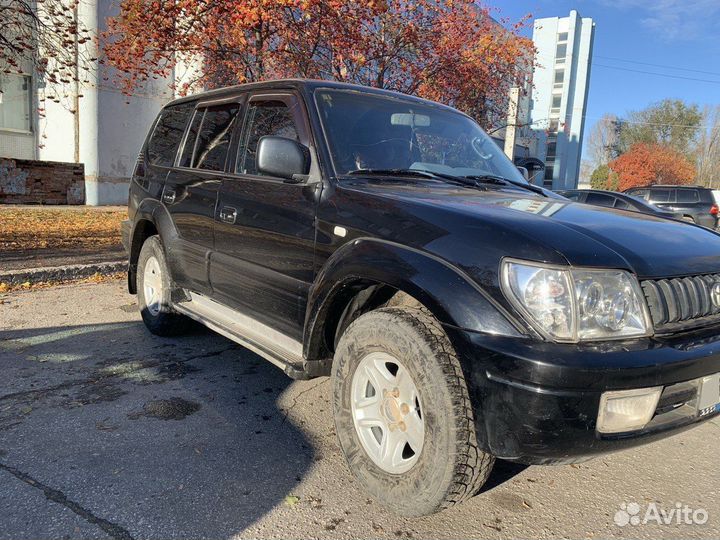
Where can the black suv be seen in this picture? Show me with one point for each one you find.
(694, 203)
(462, 313)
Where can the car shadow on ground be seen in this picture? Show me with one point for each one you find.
(156, 437)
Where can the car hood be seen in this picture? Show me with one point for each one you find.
(475, 229)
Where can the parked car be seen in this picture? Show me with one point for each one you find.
(462, 314)
(695, 203)
(716, 195)
(621, 201)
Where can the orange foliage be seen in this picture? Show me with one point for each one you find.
(645, 164)
(448, 50)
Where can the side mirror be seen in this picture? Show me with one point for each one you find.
(524, 172)
(283, 158)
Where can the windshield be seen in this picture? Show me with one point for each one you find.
(374, 132)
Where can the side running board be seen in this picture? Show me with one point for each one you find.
(279, 349)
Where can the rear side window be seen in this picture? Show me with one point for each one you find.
(214, 138)
(619, 203)
(264, 118)
(208, 140)
(661, 195)
(189, 147)
(168, 133)
(600, 199)
(687, 196)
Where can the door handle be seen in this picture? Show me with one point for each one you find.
(228, 214)
(169, 195)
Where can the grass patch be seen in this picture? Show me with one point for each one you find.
(23, 229)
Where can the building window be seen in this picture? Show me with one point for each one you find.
(555, 107)
(553, 126)
(559, 76)
(561, 51)
(15, 102)
(562, 36)
(549, 170)
(551, 150)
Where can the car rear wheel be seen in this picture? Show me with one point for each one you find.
(153, 291)
(402, 413)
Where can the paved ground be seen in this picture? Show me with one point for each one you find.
(106, 431)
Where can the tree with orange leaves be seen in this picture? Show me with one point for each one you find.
(649, 163)
(447, 50)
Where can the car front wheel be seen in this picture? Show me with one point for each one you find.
(402, 413)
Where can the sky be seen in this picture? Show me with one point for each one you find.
(675, 33)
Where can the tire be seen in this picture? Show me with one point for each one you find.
(449, 467)
(156, 311)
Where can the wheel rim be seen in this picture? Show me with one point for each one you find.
(386, 412)
(152, 285)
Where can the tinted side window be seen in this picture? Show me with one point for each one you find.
(600, 199)
(168, 133)
(191, 139)
(619, 203)
(661, 195)
(264, 118)
(573, 196)
(687, 196)
(643, 193)
(213, 139)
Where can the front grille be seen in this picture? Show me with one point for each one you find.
(682, 300)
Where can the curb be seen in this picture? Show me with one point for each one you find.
(61, 273)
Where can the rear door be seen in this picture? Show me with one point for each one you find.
(265, 226)
(662, 197)
(191, 191)
(160, 151)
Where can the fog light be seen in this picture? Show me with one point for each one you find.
(627, 410)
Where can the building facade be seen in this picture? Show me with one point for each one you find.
(559, 98)
(89, 121)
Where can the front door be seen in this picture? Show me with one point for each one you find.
(191, 191)
(265, 227)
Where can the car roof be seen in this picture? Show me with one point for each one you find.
(607, 191)
(667, 186)
(309, 85)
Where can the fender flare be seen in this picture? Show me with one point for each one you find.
(452, 296)
(153, 211)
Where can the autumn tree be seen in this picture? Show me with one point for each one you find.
(671, 122)
(44, 37)
(645, 164)
(448, 50)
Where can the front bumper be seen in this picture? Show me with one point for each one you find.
(537, 402)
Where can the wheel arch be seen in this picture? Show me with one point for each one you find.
(368, 273)
(151, 218)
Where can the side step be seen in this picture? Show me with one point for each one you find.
(279, 349)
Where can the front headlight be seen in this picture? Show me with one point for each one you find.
(571, 304)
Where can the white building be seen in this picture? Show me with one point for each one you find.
(93, 124)
(559, 98)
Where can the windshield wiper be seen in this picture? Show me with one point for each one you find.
(501, 180)
(419, 173)
(469, 180)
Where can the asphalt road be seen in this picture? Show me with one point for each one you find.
(107, 431)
